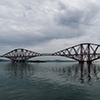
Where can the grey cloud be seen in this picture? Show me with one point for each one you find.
(25, 39)
(70, 18)
(28, 7)
(62, 6)
(34, 22)
(15, 35)
(76, 17)
(55, 32)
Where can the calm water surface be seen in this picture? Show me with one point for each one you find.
(49, 81)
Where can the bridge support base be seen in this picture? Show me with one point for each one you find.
(81, 62)
(18, 61)
(89, 62)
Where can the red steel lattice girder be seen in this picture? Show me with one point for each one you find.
(81, 52)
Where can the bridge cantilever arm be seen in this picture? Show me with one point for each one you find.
(80, 52)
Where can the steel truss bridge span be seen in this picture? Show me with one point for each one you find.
(85, 52)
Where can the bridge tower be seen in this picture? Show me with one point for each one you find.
(81, 54)
(20, 55)
(88, 55)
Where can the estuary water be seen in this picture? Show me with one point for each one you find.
(49, 81)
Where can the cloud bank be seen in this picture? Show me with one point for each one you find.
(48, 25)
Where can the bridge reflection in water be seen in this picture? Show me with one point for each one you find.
(19, 69)
(81, 73)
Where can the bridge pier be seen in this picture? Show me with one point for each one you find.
(81, 62)
(18, 61)
(88, 62)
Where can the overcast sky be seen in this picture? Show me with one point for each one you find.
(48, 25)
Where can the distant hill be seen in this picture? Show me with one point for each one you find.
(3, 60)
(51, 61)
(35, 61)
(60, 61)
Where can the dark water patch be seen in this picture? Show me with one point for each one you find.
(49, 81)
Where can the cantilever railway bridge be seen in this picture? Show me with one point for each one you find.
(85, 52)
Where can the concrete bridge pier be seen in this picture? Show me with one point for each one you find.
(81, 62)
(18, 61)
(88, 62)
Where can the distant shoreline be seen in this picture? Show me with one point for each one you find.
(37, 61)
(51, 61)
